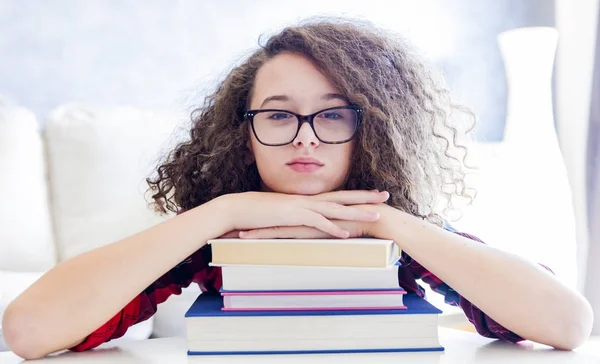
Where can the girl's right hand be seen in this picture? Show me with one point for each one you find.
(255, 210)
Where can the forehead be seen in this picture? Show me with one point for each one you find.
(292, 75)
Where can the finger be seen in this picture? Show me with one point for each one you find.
(300, 232)
(318, 221)
(356, 229)
(353, 197)
(285, 232)
(231, 234)
(336, 211)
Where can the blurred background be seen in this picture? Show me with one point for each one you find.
(161, 54)
(92, 92)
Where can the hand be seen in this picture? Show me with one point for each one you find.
(256, 210)
(232, 234)
(355, 228)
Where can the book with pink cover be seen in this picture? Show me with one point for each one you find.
(317, 300)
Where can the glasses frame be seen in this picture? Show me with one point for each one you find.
(250, 114)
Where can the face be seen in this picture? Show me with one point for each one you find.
(306, 166)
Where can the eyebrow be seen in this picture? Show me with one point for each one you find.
(326, 97)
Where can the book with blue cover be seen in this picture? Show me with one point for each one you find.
(212, 331)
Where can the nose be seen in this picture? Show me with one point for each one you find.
(306, 137)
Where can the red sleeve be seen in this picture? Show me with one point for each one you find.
(193, 269)
(484, 324)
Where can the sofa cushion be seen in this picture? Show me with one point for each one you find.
(26, 241)
(98, 159)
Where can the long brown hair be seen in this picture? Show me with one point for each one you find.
(409, 143)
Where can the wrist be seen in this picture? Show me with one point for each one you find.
(222, 212)
(392, 223)
(378, 228)
(402, 227)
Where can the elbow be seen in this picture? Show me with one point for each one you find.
(18, 326)
(575, 327)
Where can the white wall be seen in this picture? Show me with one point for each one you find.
(159, 54)
(164, 54)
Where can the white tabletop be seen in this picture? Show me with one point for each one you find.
(461, 347)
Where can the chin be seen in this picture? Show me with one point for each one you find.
(306, 188)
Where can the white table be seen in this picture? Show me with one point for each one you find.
(461, 347)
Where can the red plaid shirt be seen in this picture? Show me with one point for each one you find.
(196, 269)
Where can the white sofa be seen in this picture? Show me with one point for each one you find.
(75, 184)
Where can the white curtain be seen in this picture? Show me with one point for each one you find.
(577, 86)
(592, 283)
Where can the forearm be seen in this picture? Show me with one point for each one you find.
(80, 294)
(518, 294)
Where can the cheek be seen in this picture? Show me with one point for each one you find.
(266, 158)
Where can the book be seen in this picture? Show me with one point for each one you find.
(360, 252)
(364, 299)
(212, 331)
(265, 278)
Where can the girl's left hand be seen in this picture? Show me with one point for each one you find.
(302, 232)
(356, 228)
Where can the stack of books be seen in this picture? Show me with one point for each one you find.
(291, 296)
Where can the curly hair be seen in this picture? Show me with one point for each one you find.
(409, 144)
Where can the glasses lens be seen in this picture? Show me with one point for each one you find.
(275, 127)
(336, 125)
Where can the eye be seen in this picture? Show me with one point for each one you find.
(330, 115)
(279, 116)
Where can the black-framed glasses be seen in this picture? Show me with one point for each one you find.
(334, 125)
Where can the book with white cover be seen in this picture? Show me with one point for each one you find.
(268, 277)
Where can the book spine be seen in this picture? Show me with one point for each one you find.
(312, 293)
(339, 351)
(288, 309)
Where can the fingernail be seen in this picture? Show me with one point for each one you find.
(387, 194)
(377, 216)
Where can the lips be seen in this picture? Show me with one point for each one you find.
(306, 160)
(305, 164)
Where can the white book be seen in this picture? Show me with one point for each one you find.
(264, 278)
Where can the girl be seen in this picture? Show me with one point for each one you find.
(297, 142)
